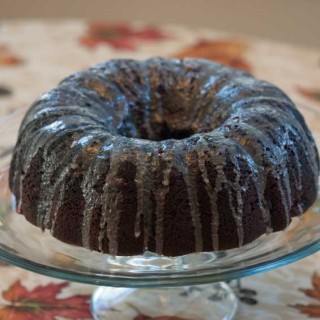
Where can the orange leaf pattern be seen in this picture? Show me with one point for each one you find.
(4, 91)
(119, 36)
(228, 52)
(8, 59)
(311, 310)
(312, 94)
(42, 303)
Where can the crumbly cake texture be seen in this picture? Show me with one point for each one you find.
(165, 155)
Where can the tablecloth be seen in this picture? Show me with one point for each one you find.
(35, 55)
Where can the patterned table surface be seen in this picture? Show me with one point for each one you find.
(35, 55)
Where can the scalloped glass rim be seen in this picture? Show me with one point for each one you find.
(166, 280)
(45, 255)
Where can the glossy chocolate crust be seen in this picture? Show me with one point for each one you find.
(169, 156)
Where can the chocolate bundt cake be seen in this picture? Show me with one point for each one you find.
(169, 156)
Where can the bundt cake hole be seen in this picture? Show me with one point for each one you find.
(160, 132)
(167, 133)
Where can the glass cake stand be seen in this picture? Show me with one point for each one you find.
(149, 286)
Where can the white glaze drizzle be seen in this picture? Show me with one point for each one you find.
(220, 181)
(189, 178)
(160, 202)
(235, 188)
(29, 153)
(60, 185)
(141, 194)
(45, 204)
(210, 192)
(91, 196)
(110, 216)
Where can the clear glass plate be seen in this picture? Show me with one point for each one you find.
(28, 247)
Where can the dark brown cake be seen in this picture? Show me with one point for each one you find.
(169, 156)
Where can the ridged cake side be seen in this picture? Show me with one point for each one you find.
(170, 156)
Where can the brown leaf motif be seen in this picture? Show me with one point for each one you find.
(227, 52)
(42, 303)
(7, 58)
(5, 91)
(119, 36)
(4, 264)
(312, 94)
(311, 310)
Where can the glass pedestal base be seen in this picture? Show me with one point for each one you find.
(206, 302)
